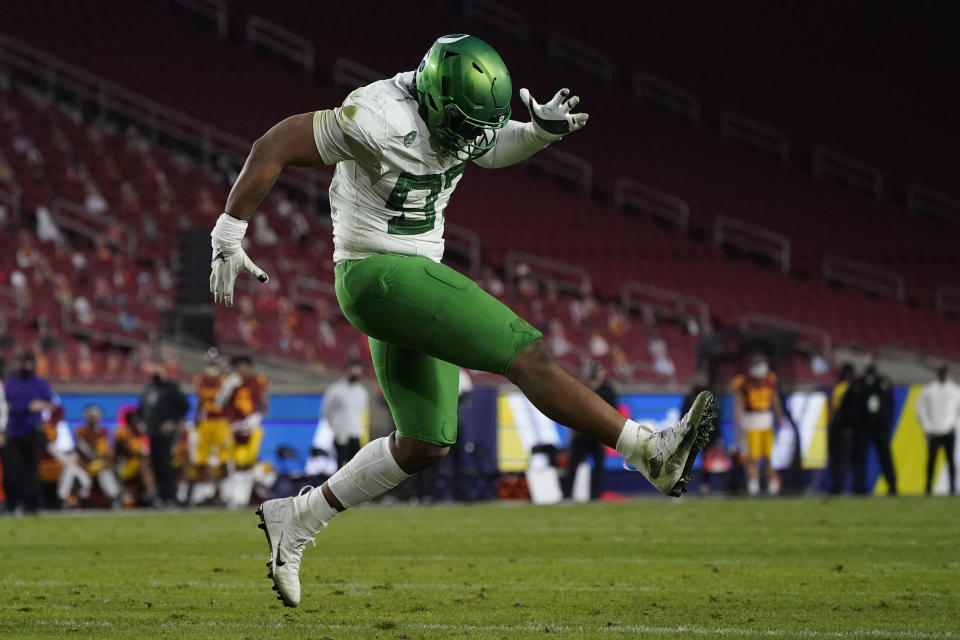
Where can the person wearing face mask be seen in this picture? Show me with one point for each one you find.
(27, 397)
(344, 405)
(757, 410)
(868, 406)
(163, 408)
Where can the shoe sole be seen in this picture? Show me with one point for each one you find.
(276, 587)
(705, 414)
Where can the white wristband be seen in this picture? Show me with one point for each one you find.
(228, 233)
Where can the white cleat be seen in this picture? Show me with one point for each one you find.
(665, 458)
(287, 538)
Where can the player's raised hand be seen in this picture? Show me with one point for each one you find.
(229, 259)
(554, 119)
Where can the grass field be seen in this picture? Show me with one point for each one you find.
(805, 568)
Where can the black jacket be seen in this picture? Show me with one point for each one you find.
(868, 404)
(162, 401)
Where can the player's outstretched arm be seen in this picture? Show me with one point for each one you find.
(288, 143)
(549, 123)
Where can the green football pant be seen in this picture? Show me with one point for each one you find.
(425, 320)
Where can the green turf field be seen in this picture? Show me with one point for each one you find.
(807, 568)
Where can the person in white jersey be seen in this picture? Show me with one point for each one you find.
(401, 146)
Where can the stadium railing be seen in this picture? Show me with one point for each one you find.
(74, 217)
(465, 243)
(752, 238)
(756, 135)
(842, 168)
(947, 299)
(812, 336)
(666, 96)
(213, 10)
(932, 203)
(568, 278)
(498, 16)
(305, 290)
(350, 75)
(864, 276)
(577, 54)
(633, 195)
(637, 296)
(282, 42)
(565, 166)
(55, 75)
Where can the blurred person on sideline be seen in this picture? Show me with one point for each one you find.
(163, 407)
(131, 446)
(214, 440)
(96, 454)
(840, 432)
(345, 404)
(868, 406)
(757, 411)
(243, 400)
(938, 409)
(583, 446)
(56, 449)
(27, 398)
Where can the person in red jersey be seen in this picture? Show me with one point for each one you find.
(243, 401)
(757, 411)
(96, 453)
(214, 440)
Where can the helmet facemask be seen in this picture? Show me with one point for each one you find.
(468, 138)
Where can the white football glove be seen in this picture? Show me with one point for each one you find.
(229, 259)
(553, 120)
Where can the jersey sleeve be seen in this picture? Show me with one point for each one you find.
(515, 142)
(352, 131)
(738, 382)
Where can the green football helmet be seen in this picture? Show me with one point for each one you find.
(464, 90)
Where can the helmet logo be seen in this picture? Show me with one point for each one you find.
(451, 39)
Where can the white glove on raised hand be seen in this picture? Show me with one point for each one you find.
(553, 120)
(229, 259)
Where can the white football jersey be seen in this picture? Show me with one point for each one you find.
(392, 182)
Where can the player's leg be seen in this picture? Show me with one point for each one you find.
(428, 307)
(579, 447)
(773, 478)
(422, 394)
(949, 443)
(752, 465)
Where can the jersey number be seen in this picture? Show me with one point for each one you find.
(407, 182)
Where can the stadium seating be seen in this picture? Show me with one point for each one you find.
(245, 93)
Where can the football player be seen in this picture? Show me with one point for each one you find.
(243, 401)
(96, 452)
(132, 450)
(401, 146)
(757, 411)
(214, 441)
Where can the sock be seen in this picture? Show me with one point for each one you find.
(370, 473)
(629, 435)
(773, 486)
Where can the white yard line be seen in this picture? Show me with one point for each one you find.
(455, 628)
